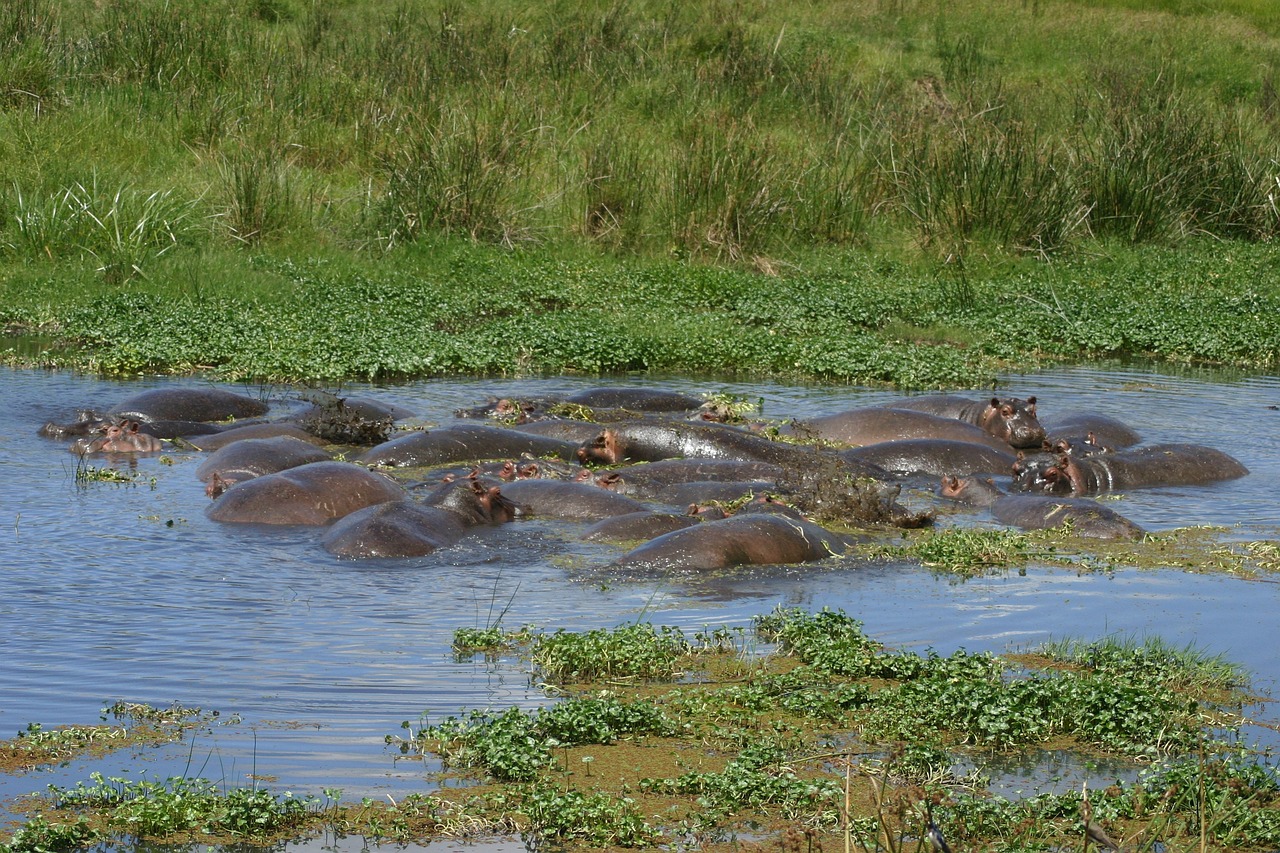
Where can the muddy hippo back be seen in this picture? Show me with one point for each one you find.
(562, 499)
(1084, 517)
(309, 494)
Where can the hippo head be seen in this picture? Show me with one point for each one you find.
(603, 449)
(1059, 476)
(1014, 421)
(474, 502)
(952, 487)
(968, 490)
(496, 508)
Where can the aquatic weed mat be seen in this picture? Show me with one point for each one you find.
(831, 735)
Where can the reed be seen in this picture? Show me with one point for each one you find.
(723, 132)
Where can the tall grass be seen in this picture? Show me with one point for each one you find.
(726, 131)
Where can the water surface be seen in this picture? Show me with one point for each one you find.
(129, 592)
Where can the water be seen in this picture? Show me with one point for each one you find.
(128, 592)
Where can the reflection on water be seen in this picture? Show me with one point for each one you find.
(128, 592)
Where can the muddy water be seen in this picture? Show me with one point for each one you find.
(128, 592)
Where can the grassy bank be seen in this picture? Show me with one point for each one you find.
(898, 191)
(458, 307)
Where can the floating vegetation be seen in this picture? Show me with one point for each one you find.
(136, 724)
(826, 737)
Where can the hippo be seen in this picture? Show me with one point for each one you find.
(1039, 512)
(1091, 429)
(637, 526)
(188, 404)
(714, 491)
(635, 399)
(569, 500)
(1009, 419)
(314, 494)
(179, 429)
(1134, 468)
(876, 424)
(405, 528)
(562, 428)
(756, 538)
(123, 437)
(256, 457)
(87, 422)
(933, 457)
(219, 440)
(463, 443)
(652, 479)
(654, 441)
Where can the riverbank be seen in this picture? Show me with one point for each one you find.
(453, 307)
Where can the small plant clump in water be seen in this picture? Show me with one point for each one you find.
(138, 724)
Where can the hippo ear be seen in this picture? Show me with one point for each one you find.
(1031, 404)
(478, 489)
(995, 402)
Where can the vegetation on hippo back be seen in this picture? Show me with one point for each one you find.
(800, 724)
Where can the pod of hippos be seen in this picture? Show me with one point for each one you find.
(630, 465)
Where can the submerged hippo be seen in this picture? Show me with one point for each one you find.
(654, 479)
(463, 443)
(1009, 419)
(638, 526)
(87, 422)
(123, 437)
(635, 399)
(313, 494)
(257, 457)
(219, 440)
(1039, 512)
(933, 457)
(188, 404)
(1088, 429)
(757, 538)
(568, 499)
(405, 528)
(876, 424)
(1135, 468)
(655, 441)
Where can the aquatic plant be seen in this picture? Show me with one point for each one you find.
(1150, 659)
(629, 651)
(970, 551)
